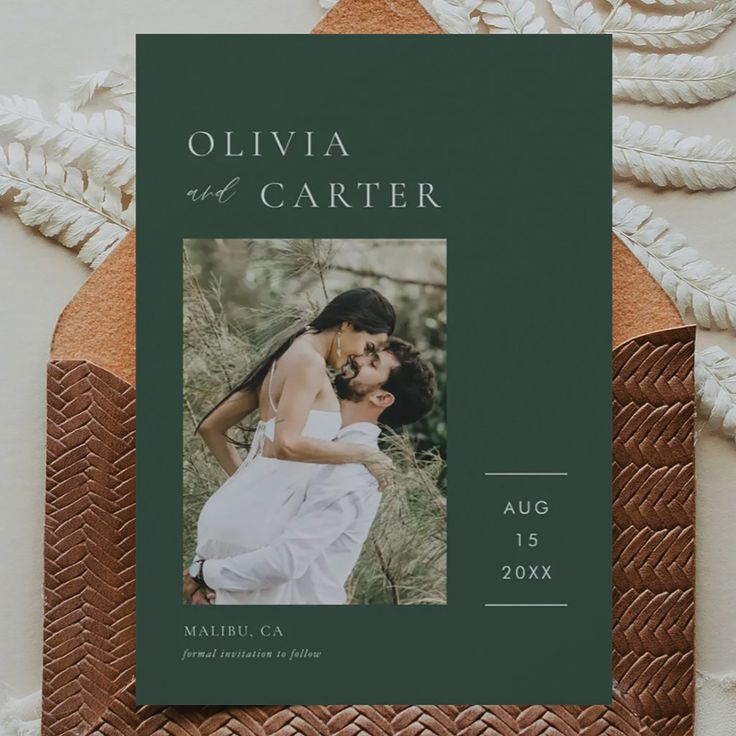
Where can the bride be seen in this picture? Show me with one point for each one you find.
(299, 418)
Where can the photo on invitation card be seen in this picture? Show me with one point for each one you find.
(314, 421)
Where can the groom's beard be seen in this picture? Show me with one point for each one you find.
(345, 385)
(348, 391)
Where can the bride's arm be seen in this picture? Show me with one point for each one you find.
(301, 387)
(213, 429)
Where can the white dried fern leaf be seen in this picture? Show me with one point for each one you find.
(102, 143)
(120, 86)
(693, 283)
(19, 716)
(83, 88)
(715, 389)
(105, 142)
(652, 155)
(669, 31)
(456, 16)
(57, 200)
(577, 16)
(673, 79)
(512, 16)
(674, 4)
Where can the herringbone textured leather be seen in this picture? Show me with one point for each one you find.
(89, 545)
(125, 718)
(654, 527)
(89, 643)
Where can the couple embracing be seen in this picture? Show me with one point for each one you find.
(288, 524)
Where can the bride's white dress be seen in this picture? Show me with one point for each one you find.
(253, 506)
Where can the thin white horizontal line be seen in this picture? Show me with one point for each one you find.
(526, 473)
(524, 604)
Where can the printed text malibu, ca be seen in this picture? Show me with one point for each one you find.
(306, 144)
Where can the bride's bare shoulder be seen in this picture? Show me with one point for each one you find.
(302, 357)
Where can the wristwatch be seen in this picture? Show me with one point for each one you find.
(195, 571)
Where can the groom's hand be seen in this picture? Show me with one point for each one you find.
(194, 592)
(203, 596)
(189, 584)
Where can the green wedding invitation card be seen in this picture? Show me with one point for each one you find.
(374, 369)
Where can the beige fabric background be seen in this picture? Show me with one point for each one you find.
(44, 45)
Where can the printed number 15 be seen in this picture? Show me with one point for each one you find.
(531, 539)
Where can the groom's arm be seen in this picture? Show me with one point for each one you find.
(331, 505)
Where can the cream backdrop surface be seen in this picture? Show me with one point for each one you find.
(46, 44)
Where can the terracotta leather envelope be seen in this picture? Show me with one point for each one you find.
(89, 563)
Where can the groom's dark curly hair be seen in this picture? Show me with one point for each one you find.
(412, 383)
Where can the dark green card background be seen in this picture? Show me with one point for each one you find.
(514, 132)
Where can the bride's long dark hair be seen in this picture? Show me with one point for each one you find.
(367, 310)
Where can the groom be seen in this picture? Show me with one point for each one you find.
(313, 557)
